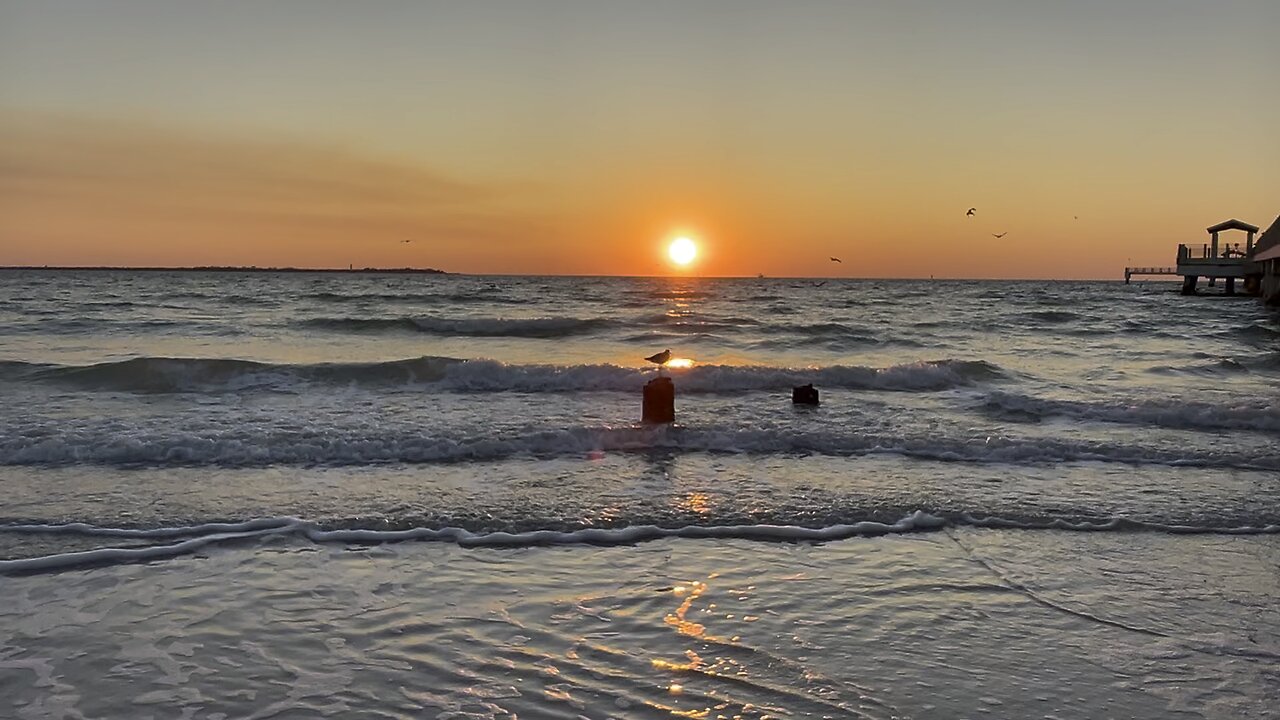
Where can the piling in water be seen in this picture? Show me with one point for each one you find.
(804, 395)
(659, 401)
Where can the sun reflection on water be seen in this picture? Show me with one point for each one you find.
(695, 502)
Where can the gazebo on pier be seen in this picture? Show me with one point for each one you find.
(1215, 259)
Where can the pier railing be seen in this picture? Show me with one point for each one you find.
(1205, 252)
(1129, 272)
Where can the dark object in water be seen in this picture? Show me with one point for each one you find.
(659, 401)
(804, 395)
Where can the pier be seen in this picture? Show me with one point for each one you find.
(1214, 260)
(1131, 271)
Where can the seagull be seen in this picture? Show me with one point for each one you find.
(1000, 235)
(824, 282)
(836, 259)
(971, 212)
(406, 241)
(661, 358)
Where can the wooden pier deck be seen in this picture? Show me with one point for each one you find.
(1131, 271)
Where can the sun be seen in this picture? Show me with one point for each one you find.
(682, 251)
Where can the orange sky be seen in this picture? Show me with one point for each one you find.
(569, 139)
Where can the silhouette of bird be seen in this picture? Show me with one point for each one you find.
(971, 212)
(836, 259)
(1000, 235)
(824, 282)
(406, 241)
(661, 358)
(1076, 217)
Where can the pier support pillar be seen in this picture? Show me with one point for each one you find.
(1189, 284)
(1126, 276)
(1213, 281)
(659, 405)
(1229, 286)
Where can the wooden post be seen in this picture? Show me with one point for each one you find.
(659, 405)
(1229, 286)
(1189, 284)
(804, 395)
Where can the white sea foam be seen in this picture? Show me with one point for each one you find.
(198, 536)
(251, 446)
(1260, 415)
(441, 374)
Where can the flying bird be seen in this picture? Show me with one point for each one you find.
(824, 282)
(1000, 235)
(971, 212)
(836, 259)
(406, 241)
(661, 358)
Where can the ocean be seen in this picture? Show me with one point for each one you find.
(299, 495)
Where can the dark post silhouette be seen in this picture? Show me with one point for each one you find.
(804, 395)
(659, 401)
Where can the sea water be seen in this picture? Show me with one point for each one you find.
(409, 495)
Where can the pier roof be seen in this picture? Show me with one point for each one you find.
(1232, 224)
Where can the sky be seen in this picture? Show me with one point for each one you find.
(560, 137)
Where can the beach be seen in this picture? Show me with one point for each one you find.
(302, 495)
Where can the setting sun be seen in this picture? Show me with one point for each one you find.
(682, 251)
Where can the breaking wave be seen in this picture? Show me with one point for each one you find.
(168, 375)
(168, 542)
(257, 446)
(464, 327)
(1261, 416)
(442, 374)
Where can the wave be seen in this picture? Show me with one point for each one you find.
(1259, 332)
(175, 375)
(686, 328)
(1053, 316)
(442, 374)
(1261, 416)
(471, 298)
(1221, 366)
(464, 327)
(258, 446)
(192, 538)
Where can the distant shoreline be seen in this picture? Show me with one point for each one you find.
(226, 269)
(435, 271)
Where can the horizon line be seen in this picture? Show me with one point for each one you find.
(437, 271)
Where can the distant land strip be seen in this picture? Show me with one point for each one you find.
(228, 268)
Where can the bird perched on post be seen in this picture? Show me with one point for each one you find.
(661, 359)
